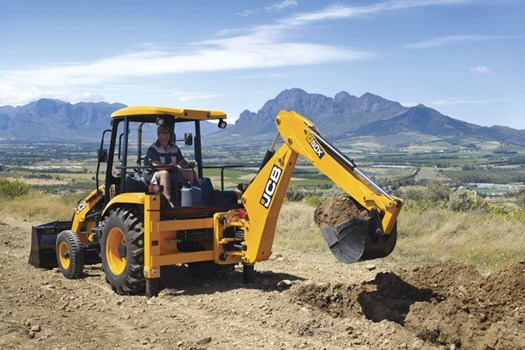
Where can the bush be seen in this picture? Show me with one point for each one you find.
(334, 191)
(294, 195)
(313, 201)
(412, 193)
(433, 195)
(437, 192)
(466, 200)
(12, 189)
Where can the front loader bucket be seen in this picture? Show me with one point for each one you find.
(357, 240)
(43, 243)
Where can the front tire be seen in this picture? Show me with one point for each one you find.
(70, 256)
(122, 250)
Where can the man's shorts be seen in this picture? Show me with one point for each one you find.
(185, 177)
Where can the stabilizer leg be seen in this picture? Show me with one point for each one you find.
(152, 287)
(248, 273)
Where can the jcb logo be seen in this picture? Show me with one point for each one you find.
(271, 185)
(81, 206)
(315, 146)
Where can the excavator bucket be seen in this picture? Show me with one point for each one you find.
(353, 233)
(357, 240)
(347, 240)
(43, 243)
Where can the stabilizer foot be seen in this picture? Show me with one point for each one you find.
(248, 273)
(152, 287)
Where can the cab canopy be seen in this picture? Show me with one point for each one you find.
(176, 113)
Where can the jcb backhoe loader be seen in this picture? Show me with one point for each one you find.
(128, 225)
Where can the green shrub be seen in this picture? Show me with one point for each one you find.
(334, 191)
(498, 210)
(437, 192)
(413, 193)
(10, 189)
(421, 198)
(466, 200)
(294, 194)
(313, 201)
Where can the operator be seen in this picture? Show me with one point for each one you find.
(164, 156)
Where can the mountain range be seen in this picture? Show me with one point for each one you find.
(343, 117)
(54, 120)
(371, 117)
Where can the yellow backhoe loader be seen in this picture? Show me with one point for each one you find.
(128, 225)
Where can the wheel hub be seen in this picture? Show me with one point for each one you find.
(122, 250)
(116, 251)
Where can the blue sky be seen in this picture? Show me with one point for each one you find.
(464, 58)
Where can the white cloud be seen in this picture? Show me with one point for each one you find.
(189, 96)
(282, 5)
(259, 76)
(11, 95)
(276, 7)
(409, 104)
(257, 47)
(480, 69)
(344, 11)
(197, 97)
(466, 101)
(215, 55)
(452, 40)
(247, 13)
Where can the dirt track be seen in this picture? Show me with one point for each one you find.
(306, 301)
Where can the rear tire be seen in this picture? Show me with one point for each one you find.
(70, 255)
(122, 250)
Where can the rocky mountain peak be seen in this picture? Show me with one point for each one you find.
(47, 105)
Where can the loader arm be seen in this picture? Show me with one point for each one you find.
(82, 210)
(264, 197)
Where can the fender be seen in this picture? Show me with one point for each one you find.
(125, 198)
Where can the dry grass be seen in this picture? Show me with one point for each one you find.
(488, 242)
(38, 207)
(296, 229)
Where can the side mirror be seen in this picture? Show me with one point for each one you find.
(222, 124)
(188, 139)
(103, 155)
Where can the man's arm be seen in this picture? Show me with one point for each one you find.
(183, 162)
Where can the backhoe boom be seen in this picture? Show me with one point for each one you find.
(265, 195)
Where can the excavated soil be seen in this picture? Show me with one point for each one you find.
(450, 305)
(298, 301)
(337, 210)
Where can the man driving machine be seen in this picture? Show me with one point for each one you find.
(166, 158)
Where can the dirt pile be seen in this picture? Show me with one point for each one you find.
(337, 210)
(474, 312)
(446, 304)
